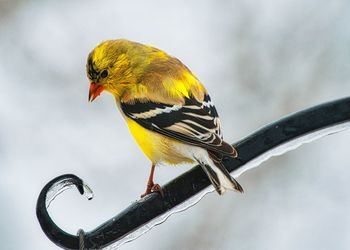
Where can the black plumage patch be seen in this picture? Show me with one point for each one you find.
(213, 177)
(141, 107)
(92, 72)
(195, 122)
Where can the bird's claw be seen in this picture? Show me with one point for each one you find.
(157, 188)
(153, 188)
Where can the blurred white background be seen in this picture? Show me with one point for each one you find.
(260, 60)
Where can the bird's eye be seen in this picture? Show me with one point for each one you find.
(104, 74)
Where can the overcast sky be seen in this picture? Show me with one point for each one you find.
(260, 60)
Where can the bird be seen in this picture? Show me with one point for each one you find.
(167, 109)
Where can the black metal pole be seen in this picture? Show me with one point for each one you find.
(190, 183)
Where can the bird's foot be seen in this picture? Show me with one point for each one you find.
(157, 188)
(153, 188)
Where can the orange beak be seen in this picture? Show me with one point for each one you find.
(95, 90)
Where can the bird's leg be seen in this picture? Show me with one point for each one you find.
(151, 187)
(150, 182)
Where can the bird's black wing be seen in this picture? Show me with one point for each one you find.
(196, 123)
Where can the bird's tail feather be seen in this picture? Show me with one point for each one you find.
(221, 178)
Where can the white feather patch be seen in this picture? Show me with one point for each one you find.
(156, 111)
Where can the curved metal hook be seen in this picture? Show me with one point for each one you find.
(48, 194)
(192, 182)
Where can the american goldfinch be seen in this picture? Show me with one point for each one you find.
(167, 109)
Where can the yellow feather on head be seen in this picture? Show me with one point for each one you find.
(142, 72)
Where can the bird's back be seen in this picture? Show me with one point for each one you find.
(165, 80)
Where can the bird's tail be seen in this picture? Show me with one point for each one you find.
(220, 177)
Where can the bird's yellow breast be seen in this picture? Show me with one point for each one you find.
(156, 147)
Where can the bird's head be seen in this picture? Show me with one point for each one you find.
(116, 65)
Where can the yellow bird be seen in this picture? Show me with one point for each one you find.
(167, 109)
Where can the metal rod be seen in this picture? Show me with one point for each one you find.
(190, 183)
